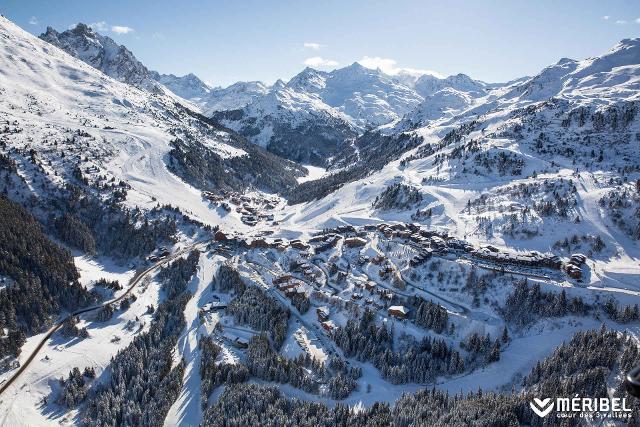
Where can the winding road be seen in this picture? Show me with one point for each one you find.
(135, 280)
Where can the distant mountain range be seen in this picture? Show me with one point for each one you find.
(319, 116)
(307, 119)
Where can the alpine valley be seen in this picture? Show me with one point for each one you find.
(344, 248)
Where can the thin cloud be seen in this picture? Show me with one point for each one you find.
(33, 20)
(99, 26)
(637, 20)
(121, 29)
(606, 17)
(389, 66)
(314, 46)
(621, 22)
(319, 62)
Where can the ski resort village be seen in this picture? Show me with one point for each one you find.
(346, 247)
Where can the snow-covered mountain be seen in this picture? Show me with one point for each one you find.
(140, 136)
(189, 86)
(613, 75)
(308, 119)
(397, 288)
(512, 153)
(211, 99)
(428, 85)
(299, 119)
(233, 97)
(116, 61)
(291, 123)
(102, 53)
(369, 98)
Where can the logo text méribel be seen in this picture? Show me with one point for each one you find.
(582, 407)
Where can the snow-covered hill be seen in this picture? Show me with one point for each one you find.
(491, 172)
(233, 97)
(189, 87)
(75, 117)
(315, 115)
(377, 265)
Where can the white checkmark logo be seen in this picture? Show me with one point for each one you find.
(540, 407)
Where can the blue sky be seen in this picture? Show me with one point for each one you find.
(226, 41)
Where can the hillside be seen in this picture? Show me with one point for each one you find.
(348, 247)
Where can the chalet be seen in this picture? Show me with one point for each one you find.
(284, 287)
(298, 244)
(573, 271)
(294, 290)
(386, 294)
(459, 245)
(323, 313)
(437, 244)
(398, 311)
(413, 227)
(353, 242)
(346, 229)
(578, 259)
(214, 306)
(326, 243)
(249, 220)
(319, 238)
(328, 325)
(258, 243)
(370, 286)
(378, 305)
(282, 279)
(421, 257)
(552, 261)
(378, 259)
(356, 296)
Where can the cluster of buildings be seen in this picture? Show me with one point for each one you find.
(323, 317)
(529, 259)
(324, 242)
(290, 286)
(252, 209)
(161, 253)
(574, 266)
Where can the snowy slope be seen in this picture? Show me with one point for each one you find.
(72, 114)
(233, 97)
(509, 153)
(293, 124)
(522, 166)
(189, 86)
